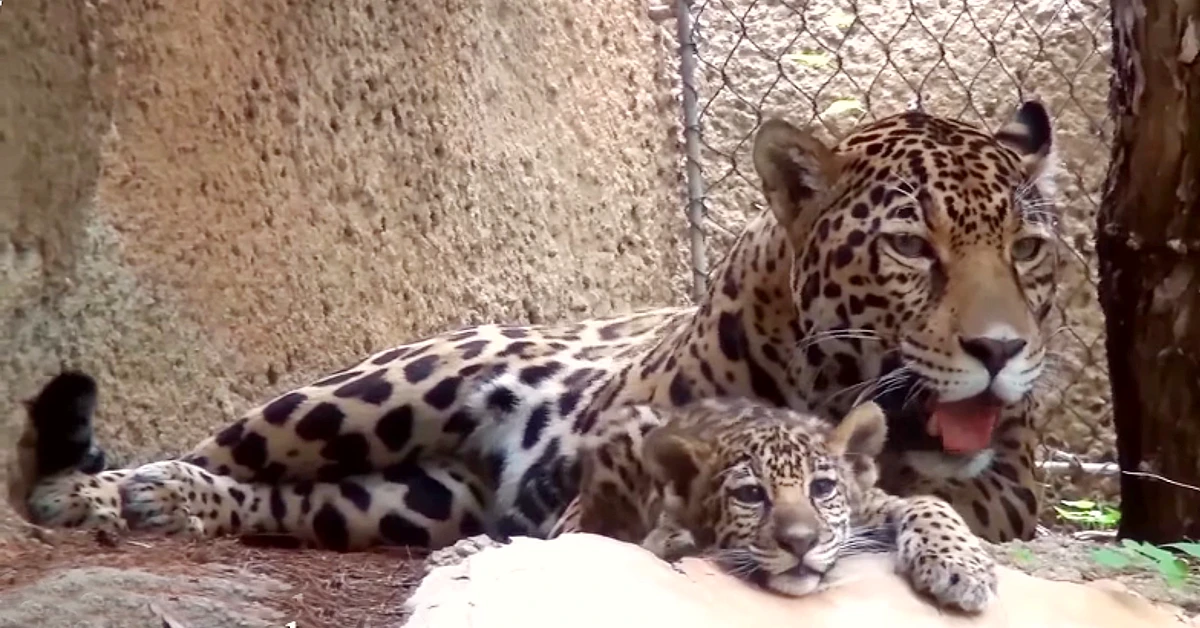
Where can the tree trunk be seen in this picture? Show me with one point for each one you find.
(1148, 242)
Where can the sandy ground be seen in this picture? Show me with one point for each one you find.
(81, 583)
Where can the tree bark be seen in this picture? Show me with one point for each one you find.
(1148, 242)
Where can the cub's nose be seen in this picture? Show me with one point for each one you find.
(992, 353)
(797, 540)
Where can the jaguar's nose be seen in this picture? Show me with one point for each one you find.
(993, 354)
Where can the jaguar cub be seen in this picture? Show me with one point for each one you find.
(773, 495)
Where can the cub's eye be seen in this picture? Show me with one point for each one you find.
(750, 494)
(909, 245)
(821, 488)
(1026, 249)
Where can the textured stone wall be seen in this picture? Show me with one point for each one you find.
(205, 203)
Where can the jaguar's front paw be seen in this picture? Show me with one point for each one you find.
(955, 577)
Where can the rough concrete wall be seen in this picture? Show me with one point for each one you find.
(204, 203)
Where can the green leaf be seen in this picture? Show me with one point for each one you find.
(842, 105)
(1080, 504)
(1157, 554)
(1093, 517)
(1069, 515)
(1111, 558)
(1106, 519)
(811, 59)
(1191, 549)
(1023, 555)
(1132, 545)
(1175, 572)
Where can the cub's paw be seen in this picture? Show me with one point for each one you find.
(460, 551)
(670, 543)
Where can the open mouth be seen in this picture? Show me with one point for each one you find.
(960, 427)
(964, 426)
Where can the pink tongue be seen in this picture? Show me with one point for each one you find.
(966, 426)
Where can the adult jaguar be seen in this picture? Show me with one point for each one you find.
(912, 264)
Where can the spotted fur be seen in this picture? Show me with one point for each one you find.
(911, 263)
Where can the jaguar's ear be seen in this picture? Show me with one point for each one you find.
(1031, 134)
(798, 174)
(676, 457)
(862, 432)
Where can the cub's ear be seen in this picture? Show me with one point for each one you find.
(676, 457)
(1031, 134)
(861, 432)
(858, 439)
(798, 173)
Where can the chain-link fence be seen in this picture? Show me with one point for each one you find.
(837, 63)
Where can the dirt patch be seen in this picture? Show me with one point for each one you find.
(1058, 556)
(80, 582)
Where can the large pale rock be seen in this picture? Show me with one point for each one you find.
(584, 580)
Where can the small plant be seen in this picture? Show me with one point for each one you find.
(1089, 514)
(1023, 556)
(1174, 569)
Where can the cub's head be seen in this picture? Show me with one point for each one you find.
(767, 491)
(923, 261)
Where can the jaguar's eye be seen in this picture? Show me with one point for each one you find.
(909, 245)
(750, 494)
(1026, 249)
(821, 488)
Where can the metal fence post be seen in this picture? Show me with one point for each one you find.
(691, 138)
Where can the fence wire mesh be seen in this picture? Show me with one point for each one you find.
(833, 64)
